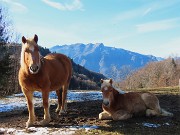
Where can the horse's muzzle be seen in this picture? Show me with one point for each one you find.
(34, 69)
(106, 102)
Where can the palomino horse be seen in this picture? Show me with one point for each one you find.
(118, 105)
(52, 72)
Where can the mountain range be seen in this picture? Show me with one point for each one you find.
(109, 61)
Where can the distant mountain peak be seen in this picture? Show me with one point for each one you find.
(100, 58)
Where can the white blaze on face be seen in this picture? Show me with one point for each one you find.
(31, 48)
(105, 88)
(105, 83)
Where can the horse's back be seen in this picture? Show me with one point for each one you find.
(133, 102)
(133, 97)
(57, 58)
(59, 69)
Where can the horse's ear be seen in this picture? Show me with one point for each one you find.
(23, 39)
(101, 80)
(36, 38)
(111, 81)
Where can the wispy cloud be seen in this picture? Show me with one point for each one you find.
(147, 11)
(147, 8)
(75, 5)
(158, 25)
(15, 6)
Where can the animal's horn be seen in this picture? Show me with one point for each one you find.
(23, 39)
(35, 38)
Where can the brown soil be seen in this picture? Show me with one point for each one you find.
(86, 113)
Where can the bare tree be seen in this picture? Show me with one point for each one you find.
(155, 74)
(6, 34)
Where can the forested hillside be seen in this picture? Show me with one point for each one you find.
(84, 79)
(155, 74)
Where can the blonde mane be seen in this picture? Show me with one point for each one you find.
(106, 83)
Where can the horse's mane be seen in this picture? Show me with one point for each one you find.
(119, 90)
(107, 84)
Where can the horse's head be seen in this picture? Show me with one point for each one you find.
(30, 55)
(107, 89)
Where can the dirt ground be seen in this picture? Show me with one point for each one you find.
(86, 113)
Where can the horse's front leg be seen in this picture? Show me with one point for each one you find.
(29, 97)
(47, 118)
(105, 116)
(121, 115)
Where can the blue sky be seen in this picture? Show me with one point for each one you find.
(143, 26)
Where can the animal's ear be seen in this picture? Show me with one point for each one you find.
(35, 38)
(111, 81)
(23, 39)
(101, 81)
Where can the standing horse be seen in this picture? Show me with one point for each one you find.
(118, 105)
(52, 72)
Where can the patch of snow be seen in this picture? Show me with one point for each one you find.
(84, 96)
(11, 106)
(151, 125)
(18, 101)
(38, 131)
(167, 124)
(67, 130)
(87, 127)
(133, 58)
(75, 95)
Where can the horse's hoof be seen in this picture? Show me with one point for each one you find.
(100, 116)
(57, 110)
(62, 112)
(45, 122)
(29, 124)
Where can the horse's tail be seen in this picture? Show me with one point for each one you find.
(166, 113)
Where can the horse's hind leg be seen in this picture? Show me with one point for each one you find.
(152, 104)
(64, 101)
(151, 112)
(29, 97)
(166, 113)
(59, 94)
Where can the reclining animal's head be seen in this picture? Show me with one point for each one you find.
(30, 55)
(107, 89)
